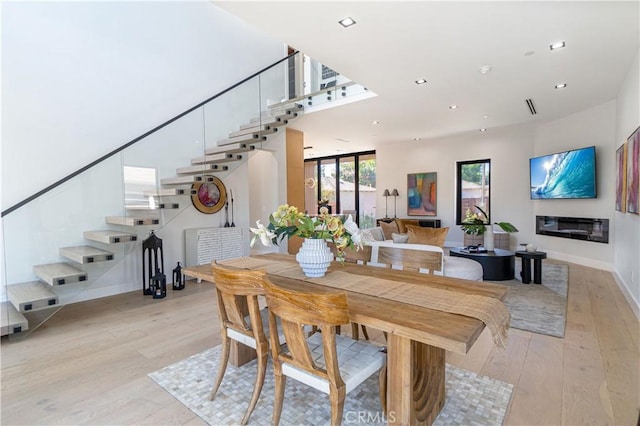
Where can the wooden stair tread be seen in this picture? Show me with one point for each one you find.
(110, 237)
(159, 206)
(189, 179)
(131, 221)
(250, 138)
(263, 129)
(12, 320)
(201, 169)
(59, 273)
(86, 254)
(217, 159)
(166, 192)
(31, 296)
(232, 148)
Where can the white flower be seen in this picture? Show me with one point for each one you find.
(352, 228)
(262, 232)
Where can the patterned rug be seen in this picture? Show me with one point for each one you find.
(540, 308)
(471, 399)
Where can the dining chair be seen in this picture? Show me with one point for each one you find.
(329, 362)
(361, 257)
(237, 292)
(411, 259)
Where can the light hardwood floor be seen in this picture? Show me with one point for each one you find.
(89, 363)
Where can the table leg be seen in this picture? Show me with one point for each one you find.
(526, 271)
(416, 378)
(537, 271)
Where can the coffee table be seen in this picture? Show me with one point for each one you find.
(497, 265)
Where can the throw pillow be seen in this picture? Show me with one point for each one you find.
(399, 238)
(388, 229)
(402, 224)
(370, 235)
(431, 236)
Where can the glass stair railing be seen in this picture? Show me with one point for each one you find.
(82, 237)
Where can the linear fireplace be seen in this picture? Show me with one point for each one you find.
(576, 228)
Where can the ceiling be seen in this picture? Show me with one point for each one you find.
(393, 44)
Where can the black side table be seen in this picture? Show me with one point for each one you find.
(527, 257)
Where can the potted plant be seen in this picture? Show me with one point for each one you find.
(287, 221)
(479, 224)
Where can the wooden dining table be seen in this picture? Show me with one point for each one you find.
(418, 336)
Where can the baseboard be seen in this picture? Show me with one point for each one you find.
(634, 304)
(584, 261)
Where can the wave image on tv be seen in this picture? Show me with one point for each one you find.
(564, 175)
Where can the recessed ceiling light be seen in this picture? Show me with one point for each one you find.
(485, 69)
(421, 81)
(416, 139)
(529, 53)
(557, 45)
(453, 106)
(346, 22)
(561, 85)
(483, 130)
(485, 116)
(375, 122)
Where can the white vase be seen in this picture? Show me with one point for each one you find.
(314, 257)
(488, 238)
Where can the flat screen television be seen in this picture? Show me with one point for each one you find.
(568, 174)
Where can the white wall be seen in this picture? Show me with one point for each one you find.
(509, 150)
(80, 79)
(626, 231)
(595, 126)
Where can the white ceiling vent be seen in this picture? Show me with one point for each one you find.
(531, 106)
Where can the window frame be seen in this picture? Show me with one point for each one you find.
(459, 166)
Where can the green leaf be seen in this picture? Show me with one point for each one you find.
(507, 227)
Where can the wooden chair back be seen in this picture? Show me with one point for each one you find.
(237, 292)
(411, 259)
(295, 310)
(352, 255)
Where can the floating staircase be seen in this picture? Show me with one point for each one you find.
(141, 206)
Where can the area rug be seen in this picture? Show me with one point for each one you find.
(471, 399)
(540, 308)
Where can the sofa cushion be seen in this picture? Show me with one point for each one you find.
(431, 236)
(388, 229)
(399, 238)
(372, 234)
(402, 224)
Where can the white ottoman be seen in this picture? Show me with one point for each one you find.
(459, 267)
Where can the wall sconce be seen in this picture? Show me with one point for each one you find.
(386, 196)
(394, 194)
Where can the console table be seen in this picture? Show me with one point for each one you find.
(497, 265)
(527, 257)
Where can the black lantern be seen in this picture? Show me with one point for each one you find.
(151, 248)
(159, 285)
(178, 278)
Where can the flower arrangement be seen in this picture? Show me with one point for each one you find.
(287, 221)
(474, 224)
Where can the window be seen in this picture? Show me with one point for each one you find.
(347, 182)
(473, 187)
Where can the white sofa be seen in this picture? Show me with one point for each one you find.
(454, 267)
